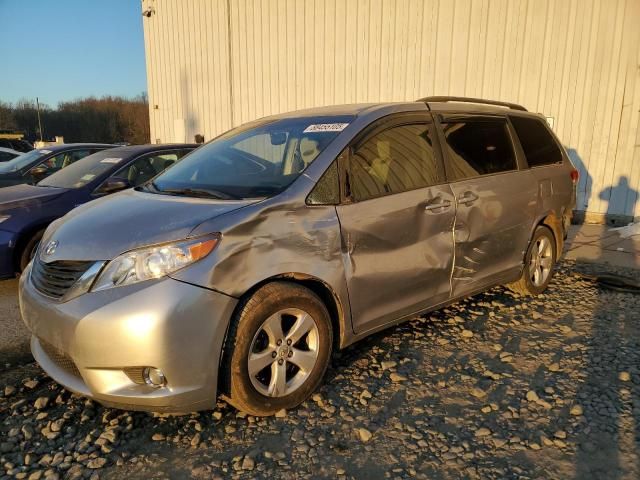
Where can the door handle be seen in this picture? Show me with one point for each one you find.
(437, 204)
(468, 198)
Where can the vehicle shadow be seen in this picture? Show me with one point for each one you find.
(608, 445)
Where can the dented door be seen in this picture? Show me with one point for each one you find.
(398, 254)
(495, 199)
(492, 227)
(397, 226)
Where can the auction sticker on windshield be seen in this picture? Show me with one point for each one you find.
(45, 152)
(326, 127)
(111, 160)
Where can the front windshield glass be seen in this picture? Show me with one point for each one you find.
(259, 159)
(85, 170)
(22, 161)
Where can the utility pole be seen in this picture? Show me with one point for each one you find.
(39, 121)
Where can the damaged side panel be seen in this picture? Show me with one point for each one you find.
(397, 254)
(274, 238)
(493, 227)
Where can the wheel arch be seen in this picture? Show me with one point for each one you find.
(24, 237)
(322, 289)
(554, 223)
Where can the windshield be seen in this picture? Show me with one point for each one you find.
(83, 171)
(259, 159)
(22, 161)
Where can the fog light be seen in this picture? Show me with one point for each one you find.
(154, 377)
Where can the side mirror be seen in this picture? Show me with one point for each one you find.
(112, 185)
(38, 173)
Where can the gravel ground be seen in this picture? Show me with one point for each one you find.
(496, 386)
(14, 339)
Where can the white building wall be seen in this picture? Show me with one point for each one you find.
(214, 64)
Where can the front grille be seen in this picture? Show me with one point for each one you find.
(56, 278)
(61, 359)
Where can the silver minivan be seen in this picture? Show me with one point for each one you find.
(239, 270)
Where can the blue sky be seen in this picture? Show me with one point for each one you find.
(64, 49)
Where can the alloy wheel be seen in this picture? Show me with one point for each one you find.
(283, 352)
(541, 261)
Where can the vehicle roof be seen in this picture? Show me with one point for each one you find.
(10, 150)
(65, 146)
(364, 109)
(464, 107)
(129, 150)
(354, 109)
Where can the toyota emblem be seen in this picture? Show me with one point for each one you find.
(51, 247)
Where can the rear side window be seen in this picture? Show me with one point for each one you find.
(538, 144)
(394, 161)
(478, 148)
(6, 156)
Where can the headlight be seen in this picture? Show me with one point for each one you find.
(4, 218)
(154, 262)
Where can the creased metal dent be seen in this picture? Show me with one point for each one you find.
(453, 236)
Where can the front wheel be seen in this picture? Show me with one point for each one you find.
(538, 264)
(277, 349)
(29, 251)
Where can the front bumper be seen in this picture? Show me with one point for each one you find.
(7, 252)
(87, 344)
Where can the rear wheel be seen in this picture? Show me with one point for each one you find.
(29, 250)
(538, 264)
(278, 349)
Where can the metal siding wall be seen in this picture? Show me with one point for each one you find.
(574, 60)
(187, 50)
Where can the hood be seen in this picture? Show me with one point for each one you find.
(27, 196)
(105, 228)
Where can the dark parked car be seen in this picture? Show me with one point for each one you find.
(15, 144)
(38, 164)
(26, 210)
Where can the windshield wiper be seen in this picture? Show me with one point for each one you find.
(201, 193)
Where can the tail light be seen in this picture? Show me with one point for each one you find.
(575, 175)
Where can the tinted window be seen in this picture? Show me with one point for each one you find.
(478, 148)
(62, 160)
(148, 166)
(393, 161)
(6, 156)
(539, 146)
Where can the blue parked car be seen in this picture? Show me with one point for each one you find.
(27, 210)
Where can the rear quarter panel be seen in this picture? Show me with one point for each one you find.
(556, 197)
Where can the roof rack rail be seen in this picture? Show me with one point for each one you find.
(444, 99)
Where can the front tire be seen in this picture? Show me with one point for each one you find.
(29, 251)
(538, 264)
(278, 349)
